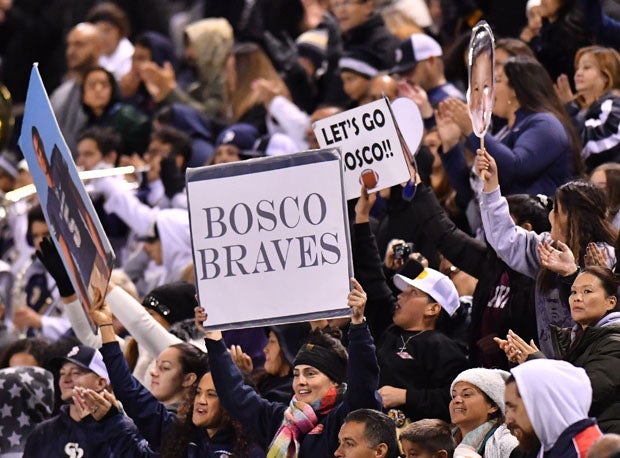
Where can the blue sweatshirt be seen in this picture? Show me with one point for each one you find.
(534, 157)
(151, 416)
(113, 436)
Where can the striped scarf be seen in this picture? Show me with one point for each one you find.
(299, 419)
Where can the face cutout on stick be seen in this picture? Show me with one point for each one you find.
(481, 90)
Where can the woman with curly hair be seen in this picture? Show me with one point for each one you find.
(201, 428)
(207, 428)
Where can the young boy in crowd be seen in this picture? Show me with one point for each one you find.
(428, 438)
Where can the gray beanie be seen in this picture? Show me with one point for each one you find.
(491, 382)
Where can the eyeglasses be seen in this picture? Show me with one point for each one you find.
(153, 302)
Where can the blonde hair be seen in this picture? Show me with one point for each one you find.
(399, 24)
(608, 62)
(121, 279)
(251, 63)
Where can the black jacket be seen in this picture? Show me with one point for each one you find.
(435, 359)
(375, 37)
(435, 362)
(598, 352)
(478, 260)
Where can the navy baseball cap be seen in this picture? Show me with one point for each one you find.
(85, 357)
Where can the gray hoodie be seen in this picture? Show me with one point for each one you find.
(556, 395)
(517, 247)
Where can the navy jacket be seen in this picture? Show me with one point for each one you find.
(264, 418)
(534, 157)
(151, 416)
(61, 436)
(576, 440)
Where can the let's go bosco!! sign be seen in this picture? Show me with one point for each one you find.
(369, 146)
(270, 239)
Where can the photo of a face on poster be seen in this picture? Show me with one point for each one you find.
(72, 220)
(481, 90)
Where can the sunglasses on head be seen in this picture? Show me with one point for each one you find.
(153, 303)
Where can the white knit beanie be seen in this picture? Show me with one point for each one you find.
(531, 4)
(491, 382)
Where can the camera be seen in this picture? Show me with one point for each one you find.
(402, 250)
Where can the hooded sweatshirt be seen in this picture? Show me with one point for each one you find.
(557, 398)
(198, 127)
(212, 40)
(596, 350)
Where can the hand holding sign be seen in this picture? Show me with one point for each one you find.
(487, 169)
(357, 301)
(200, 317)
(262, 231)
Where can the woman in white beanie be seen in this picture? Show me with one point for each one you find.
(477, 409)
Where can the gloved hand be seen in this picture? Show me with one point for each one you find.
(171, 177)
(283, 52)
(49, 256)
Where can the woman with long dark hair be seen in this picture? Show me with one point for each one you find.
(101, 103)
(536, 152)
(578, 218)
(201, 427)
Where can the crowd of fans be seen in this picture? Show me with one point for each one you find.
(484, 305)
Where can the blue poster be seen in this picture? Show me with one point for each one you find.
(72, 220)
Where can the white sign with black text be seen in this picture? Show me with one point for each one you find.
(270, 239)
(369, 145)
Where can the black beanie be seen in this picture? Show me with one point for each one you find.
(173, 301)
(324, 359)
(290, 338)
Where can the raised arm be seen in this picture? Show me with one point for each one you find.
(368, 271)
(458, 247)
(363, 367)
(237, 398)
(515, 245)
(149, 415)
